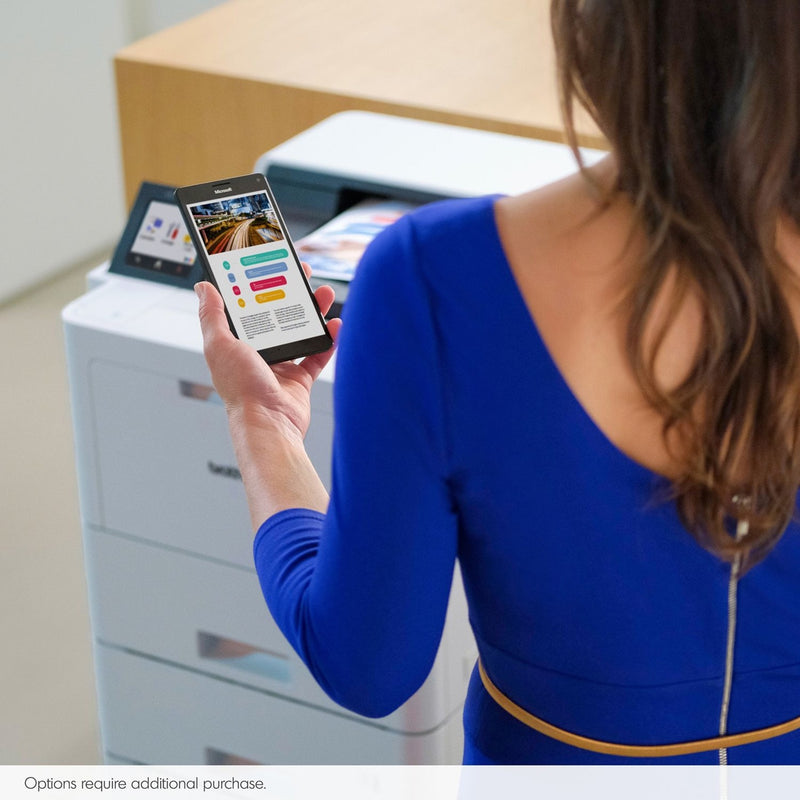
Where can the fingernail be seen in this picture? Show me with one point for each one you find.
(199, 290)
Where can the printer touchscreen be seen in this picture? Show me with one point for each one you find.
(162, 242)
(256, 270)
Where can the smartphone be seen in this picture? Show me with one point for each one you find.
(245, 249)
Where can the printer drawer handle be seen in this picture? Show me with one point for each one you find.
(199, 391)
(219, 758)
(243, 657)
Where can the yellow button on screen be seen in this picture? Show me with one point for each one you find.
(266, 297)
(241, 302)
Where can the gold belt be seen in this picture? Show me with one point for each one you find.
(631, 750)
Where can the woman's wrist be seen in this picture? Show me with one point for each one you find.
(276, 470)
(254, 419)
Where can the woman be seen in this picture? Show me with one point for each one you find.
(590, 396)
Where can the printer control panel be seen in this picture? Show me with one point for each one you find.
(155, 244)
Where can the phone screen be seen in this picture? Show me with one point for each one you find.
(256, 270)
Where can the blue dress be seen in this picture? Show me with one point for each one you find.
(457, 437)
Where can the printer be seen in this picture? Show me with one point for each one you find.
(190, 668)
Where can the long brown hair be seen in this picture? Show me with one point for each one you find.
(700, 102)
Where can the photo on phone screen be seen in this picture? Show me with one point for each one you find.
(245, 247)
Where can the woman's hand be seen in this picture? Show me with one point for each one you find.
(255, 393)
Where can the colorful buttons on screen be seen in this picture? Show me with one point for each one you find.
(241, 302)
(268, 283)
(226, 264)
(237, 291)
(270, 269)
(267, 297)
(260, 258)
(231, 277)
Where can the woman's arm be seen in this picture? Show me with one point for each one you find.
(360, 591)
(268, 412)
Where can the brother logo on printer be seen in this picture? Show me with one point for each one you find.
(224, 470)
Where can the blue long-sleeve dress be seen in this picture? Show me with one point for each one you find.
(456, 437)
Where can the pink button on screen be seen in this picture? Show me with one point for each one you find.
(268, 283)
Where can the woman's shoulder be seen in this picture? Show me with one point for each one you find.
(435, 242)
(450, 223)
(565, 215)
(453, 213)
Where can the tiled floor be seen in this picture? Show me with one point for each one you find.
(49, 712)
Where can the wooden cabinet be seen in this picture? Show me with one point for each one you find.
(205, 98)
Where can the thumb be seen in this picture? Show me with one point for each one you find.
(205, 294)
(213, 322)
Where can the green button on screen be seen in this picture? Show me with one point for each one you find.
(260, 258)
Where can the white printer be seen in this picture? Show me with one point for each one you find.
(190, 667)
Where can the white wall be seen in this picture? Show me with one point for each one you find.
(62, 197)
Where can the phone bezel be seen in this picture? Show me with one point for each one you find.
(243, 184)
